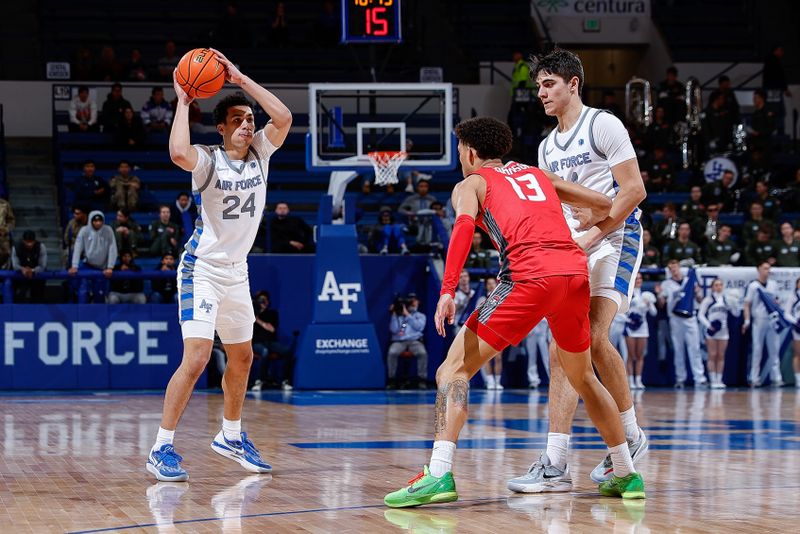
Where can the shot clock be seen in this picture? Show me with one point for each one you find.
(371, 21)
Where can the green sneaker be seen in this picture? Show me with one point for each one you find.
(629, 487)
(424, 489)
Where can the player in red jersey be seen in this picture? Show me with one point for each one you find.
(543, 273)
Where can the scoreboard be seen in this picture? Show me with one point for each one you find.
(371, 21)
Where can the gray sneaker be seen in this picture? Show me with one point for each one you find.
(542, 477)
(605, 469)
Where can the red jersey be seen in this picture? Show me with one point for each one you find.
(523, 216)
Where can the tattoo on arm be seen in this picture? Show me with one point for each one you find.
(458, 392)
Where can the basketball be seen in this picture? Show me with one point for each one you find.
(200, 74)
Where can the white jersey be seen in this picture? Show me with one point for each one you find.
(230, 197)
(673, 290)
(791, 311)
(642, 304)
(715, 308)
(585, 153)
(757, 308)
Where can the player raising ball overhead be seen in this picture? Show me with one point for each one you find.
(229, 185)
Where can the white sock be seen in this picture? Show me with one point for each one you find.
(629, 422)
(621, 459)
(557, 447)
(489, 381)
(232, 430)
(797, 379)
(639, 381)
(164, 436)
(632, 381)
(442, 458)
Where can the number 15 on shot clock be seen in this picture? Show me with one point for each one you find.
(371, 21)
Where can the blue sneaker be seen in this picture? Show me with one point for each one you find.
(242, 451)
(165, 464)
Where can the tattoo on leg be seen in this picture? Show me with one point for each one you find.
(458, 391)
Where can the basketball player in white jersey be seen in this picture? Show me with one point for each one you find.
(229, 185)
(592, 148)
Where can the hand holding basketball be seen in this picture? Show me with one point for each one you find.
(200, 73)
(232, 74)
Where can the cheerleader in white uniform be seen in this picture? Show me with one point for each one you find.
(792, 314)
(637, 332)
(713, 316)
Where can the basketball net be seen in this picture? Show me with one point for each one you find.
(386, 165)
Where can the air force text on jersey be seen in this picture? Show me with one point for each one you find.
(238, 185)
(570, 162)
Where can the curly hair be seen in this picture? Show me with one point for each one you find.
(490, 138)
(559, 62)
(221, 109)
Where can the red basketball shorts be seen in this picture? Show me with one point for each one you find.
(514, 308)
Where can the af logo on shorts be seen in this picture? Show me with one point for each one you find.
(206, 306)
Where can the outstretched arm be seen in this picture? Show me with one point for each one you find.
(277, 128)
(181, 151)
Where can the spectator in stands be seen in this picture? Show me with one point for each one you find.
(164, 289)
(660, 170)
(682, 248)
(78, 221)
(290, 234)
(762, 123)
(479, 257)
(718, 127)
(440, 212)
(387, 236)
(327, 28)
(164, 234)
(775, 84)
(722, 251)
(651, 257)
(267, 347)
(90, 189)
(421, 200)
(721, 192)
(521, 73)
(168, 62)
(182, 214)
(127, 290)
(125, 188)
(95, 250)
(29, 257)
(83, 112)
(666, 229)
(7, 223)
(130, 132)
(706, 229)
(113, 108)
(232, 30)
(751, 225)
(83, 65)
(108, 68)
(763, 249)
(659, 133)
(279, 28)
(610, 103)
(127, 232)
(772, 206)
(672, 97)
(137, 69)
(156, 112)
(787, 248)
(694, 209)
(407, 326)
(731, 104)
(463, 297)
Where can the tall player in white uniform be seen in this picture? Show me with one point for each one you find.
(229, 184)
(592, 148)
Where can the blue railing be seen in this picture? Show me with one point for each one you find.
(83, 277)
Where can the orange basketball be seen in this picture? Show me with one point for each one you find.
(200, 74)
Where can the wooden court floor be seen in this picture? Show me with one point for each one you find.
(718, 462)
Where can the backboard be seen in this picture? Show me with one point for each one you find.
(347, 121)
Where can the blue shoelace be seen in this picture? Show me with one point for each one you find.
(169, 457)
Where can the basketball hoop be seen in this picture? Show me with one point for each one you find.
(386, 165)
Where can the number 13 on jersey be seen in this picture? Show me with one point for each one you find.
(531, 184)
